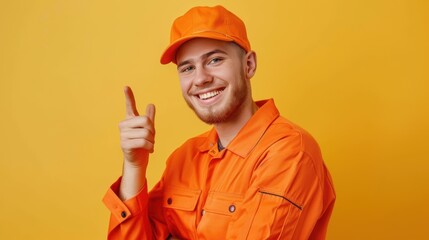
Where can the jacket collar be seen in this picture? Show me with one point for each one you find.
(250, 134)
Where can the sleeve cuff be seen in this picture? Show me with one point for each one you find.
(123, 210)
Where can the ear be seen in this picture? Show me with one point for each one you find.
(251, 64)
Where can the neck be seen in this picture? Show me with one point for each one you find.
(229, 129)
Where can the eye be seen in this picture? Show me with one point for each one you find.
(215, 60)
(185, 69)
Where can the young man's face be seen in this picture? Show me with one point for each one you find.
(213, 78)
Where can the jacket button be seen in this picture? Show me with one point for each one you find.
(231, 208)
(123, 214)
(169, 201)
(203, 212)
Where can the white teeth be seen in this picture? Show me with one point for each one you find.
(208, 95)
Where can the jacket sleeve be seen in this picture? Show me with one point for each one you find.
(290, 197)
(130, 219)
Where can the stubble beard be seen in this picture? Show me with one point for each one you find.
(222, 113)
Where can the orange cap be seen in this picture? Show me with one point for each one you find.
(205, 22)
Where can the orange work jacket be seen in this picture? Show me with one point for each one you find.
(270, 182)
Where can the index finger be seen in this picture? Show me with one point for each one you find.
(130, 103)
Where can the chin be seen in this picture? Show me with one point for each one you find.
(216, 114)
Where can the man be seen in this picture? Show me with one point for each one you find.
(255, 175)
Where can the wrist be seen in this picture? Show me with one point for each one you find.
(133, 179)
(135, 165)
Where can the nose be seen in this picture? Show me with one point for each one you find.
(202, 77)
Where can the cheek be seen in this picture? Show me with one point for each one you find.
(232, 72)
(225, 74)
(185, 85)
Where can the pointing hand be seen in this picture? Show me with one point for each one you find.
(137, 132)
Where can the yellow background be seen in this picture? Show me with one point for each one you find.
(354, 73)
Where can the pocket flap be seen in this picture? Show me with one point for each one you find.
(181, 198)
(223, 203)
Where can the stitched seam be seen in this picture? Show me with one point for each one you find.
(272, 194)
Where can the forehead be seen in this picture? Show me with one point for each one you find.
(198, 47)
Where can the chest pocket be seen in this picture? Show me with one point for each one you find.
(179, 210)
(223, 203)
(218, 212)
(181, 198)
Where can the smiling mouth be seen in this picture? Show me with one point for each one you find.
(208, 95)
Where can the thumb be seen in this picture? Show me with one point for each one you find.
(150, 112)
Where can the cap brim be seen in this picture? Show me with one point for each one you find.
(169, 54)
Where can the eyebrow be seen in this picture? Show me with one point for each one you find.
(204, 56)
